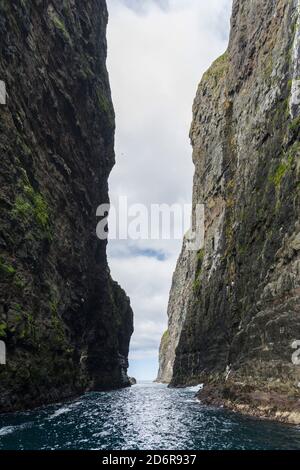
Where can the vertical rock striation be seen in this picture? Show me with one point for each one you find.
(243, 313)
(65, 323)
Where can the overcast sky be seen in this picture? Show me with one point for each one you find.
(157, 52)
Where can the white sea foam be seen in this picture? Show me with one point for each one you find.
(11, 429)
(7, 430)
(64, 410)
(195, 388)
(59, 412)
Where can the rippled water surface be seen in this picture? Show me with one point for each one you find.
(146, 416)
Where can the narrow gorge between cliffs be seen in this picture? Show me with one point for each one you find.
(108, 172)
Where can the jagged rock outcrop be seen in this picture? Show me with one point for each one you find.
(244, 310)
(65, 323)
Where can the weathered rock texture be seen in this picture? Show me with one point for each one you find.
(66, 324)
(244, 310)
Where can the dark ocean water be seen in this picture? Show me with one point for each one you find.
(146, 416)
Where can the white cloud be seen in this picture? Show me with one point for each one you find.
(156, 57)
(141, 7)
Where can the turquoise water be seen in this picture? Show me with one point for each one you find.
(146, 416)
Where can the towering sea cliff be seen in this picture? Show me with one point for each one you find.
(66, 324)
(235, 328)
(181, 291)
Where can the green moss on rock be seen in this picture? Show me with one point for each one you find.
(105, 107)
(60, 26)
(280, 173)
(294, 126)
(6, 269)
(3, 328)
(31, 206)
(165, 336)
(200, 258)
(218, 68)
(164, 342)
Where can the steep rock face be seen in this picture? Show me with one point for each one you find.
(180, 294)
(244, 310)
(65, 323)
